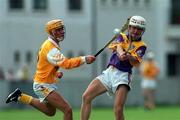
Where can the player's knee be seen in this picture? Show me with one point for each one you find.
(68, 110)
(86, 98)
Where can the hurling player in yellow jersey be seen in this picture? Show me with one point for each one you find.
(149, 71)
(127, 51)
(49, 60)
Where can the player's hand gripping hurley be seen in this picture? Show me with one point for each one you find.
(124, 27)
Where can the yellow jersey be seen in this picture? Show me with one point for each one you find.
(149, 69)
(50, 59)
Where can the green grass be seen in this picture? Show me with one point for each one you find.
(131, 113)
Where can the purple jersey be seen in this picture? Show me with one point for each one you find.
(136, 49)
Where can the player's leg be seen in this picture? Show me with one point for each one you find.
(94, 89)
(18, 96)
(44, 107)
(120, 98)
(57, 101)
(52, 101)
(152, 99)
(147, 96)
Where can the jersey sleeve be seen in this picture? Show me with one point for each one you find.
(119, 41)
(139, 53)
(56, 58)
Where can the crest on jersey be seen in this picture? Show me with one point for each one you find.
(139, 53)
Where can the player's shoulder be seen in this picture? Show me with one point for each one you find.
(141, 43)
(45, 43)
(48, 45)
(122, 37)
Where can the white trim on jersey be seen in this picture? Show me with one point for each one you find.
(55, 57)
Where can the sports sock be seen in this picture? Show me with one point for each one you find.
(24, 98)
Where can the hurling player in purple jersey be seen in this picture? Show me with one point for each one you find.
(127, 51)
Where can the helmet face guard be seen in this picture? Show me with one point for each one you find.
(59, 33)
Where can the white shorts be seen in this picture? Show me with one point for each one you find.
(42, 90)
(111, 78)
(148, 84)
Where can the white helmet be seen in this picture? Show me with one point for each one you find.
(137, 21)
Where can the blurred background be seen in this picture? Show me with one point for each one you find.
(89, 25)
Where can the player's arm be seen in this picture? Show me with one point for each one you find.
(115, 43)
(56, 58)
(136, 57)
(120, 52)
(69, 63)
(132, 59)
(117, 46)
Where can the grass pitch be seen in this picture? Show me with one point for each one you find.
(160, 113)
